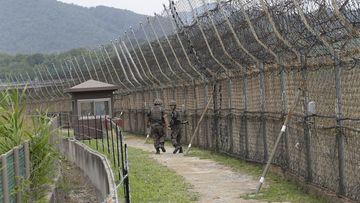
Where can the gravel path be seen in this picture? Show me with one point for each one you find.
(214, 182)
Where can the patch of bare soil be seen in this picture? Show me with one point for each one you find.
(76, 186)
(213, 181)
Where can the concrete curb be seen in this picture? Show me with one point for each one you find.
(93, 164)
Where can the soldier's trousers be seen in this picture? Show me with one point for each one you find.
(176, 136)
(157, 132)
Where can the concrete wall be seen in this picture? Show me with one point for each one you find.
(92, 163)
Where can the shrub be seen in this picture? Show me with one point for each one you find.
(15, 128)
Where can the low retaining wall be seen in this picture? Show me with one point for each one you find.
(92, 163)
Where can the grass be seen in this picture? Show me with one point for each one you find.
(152, 182)
(149, 180)
(278, 189)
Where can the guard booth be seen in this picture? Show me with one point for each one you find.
(92, 105)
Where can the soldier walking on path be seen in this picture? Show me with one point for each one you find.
(175, 125)
(157, 122)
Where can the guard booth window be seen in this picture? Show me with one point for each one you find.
(91, 107)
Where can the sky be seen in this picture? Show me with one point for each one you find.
(147, 7)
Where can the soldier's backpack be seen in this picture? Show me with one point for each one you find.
(156, 115)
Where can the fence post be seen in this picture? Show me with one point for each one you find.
(117, 141)
(185, 95)
(262, 104)
(246, 139)
(136, 113)
(339, 123)
(306, 113)
(144, 112)
(126, 172)
(207, 137)
(129, 116)
(88, 128)
(137, 130)
(96, 132)
(196, 111)
(174, 92)
(68, 125)
(102, 134)
(60, 124)
(5, 182)
(216, 116)
(231, 117)
(221, 136)
(82, 127)
(17, 173)
(284, 112)
(27, 160)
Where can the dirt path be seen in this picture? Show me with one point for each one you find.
(214, 182)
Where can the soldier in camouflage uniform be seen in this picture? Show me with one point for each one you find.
(157, 122)
(175, 125)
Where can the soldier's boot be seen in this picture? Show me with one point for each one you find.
(157, 151)
(163, 148)
(177, 148)
(181, 150)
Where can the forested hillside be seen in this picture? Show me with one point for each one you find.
(24, 62)
(48, 26)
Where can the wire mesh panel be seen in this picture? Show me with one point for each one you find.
(351, 133)
(190, 102)
(321, 86)
(350, 94)
(254, 93)
(22, 162)
(225, 134)
(203, 97)
(294, 82)
(11, 176)
(296, 148)
(238, 138)
(273, 124)
(352, 159)
(255, 144)
(201, 140)
(273, 92)
(179, 97)
(324, 158)
(238, 95)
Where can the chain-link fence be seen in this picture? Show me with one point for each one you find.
(312, 148)
(252, 56)
(15, 170)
